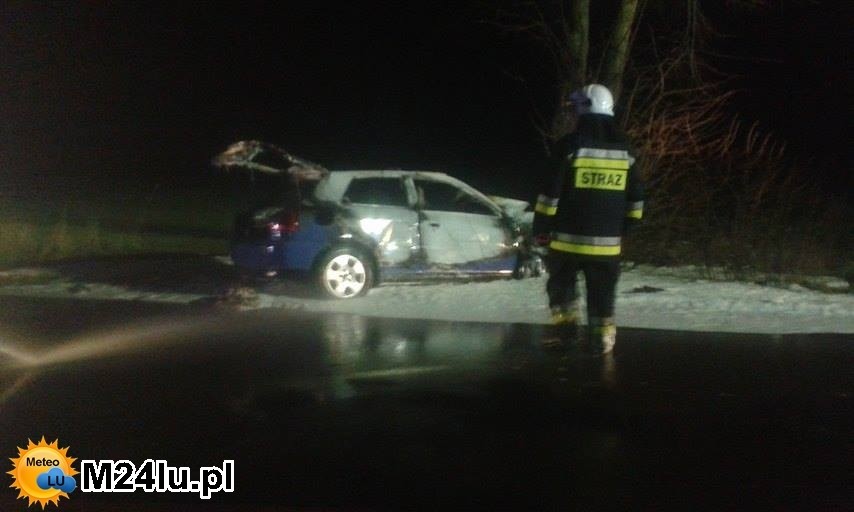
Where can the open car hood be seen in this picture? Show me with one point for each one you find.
(260, 156)
(514, 207)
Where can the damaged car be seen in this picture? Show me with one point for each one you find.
(353, 229)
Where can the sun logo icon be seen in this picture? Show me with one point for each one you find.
(42, 473)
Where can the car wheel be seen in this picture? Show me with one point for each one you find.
(538, 267)
(531, 266)
(345, 273)
(522, 271)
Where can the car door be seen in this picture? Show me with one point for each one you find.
(456, 227)
(491, 231)
(380, 207)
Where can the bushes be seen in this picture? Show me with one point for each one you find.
(721, 193)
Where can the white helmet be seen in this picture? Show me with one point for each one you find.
(593, 99)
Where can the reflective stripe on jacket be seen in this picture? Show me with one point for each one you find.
(594, 190)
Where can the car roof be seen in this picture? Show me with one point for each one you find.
(385, 173)
(333, 186)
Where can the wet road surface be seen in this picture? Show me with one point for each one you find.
(345, 412)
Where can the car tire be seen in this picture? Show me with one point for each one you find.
(537, 265)
(522, 271)
(530, 266)
(344, 273)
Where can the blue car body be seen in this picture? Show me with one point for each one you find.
(413, 225)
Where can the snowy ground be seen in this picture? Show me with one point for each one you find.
(683, 304)
(647, 298)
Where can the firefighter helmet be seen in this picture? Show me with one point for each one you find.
(593, 99)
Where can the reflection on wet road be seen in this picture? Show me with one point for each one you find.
(345, 411)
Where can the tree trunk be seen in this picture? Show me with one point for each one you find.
(618, 47)
(578, 43)
(575, 67)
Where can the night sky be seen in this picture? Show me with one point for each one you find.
(104, 90)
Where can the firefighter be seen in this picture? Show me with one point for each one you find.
(593, 197)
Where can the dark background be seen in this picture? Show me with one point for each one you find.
(98, 91)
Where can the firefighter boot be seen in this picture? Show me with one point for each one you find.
(563, 330)
(602, 335)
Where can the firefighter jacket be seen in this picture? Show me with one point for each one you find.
(595, 192)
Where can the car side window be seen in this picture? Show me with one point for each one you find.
(439, 196)
(377, 191)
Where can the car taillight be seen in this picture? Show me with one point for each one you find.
(288, 224)
(274, 229)
(291, 222)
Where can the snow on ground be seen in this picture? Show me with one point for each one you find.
(647, 298)
(681, 304)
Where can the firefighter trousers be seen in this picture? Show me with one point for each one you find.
(600, 278)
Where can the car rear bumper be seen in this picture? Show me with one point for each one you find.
(294, 254)
(256, 256)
